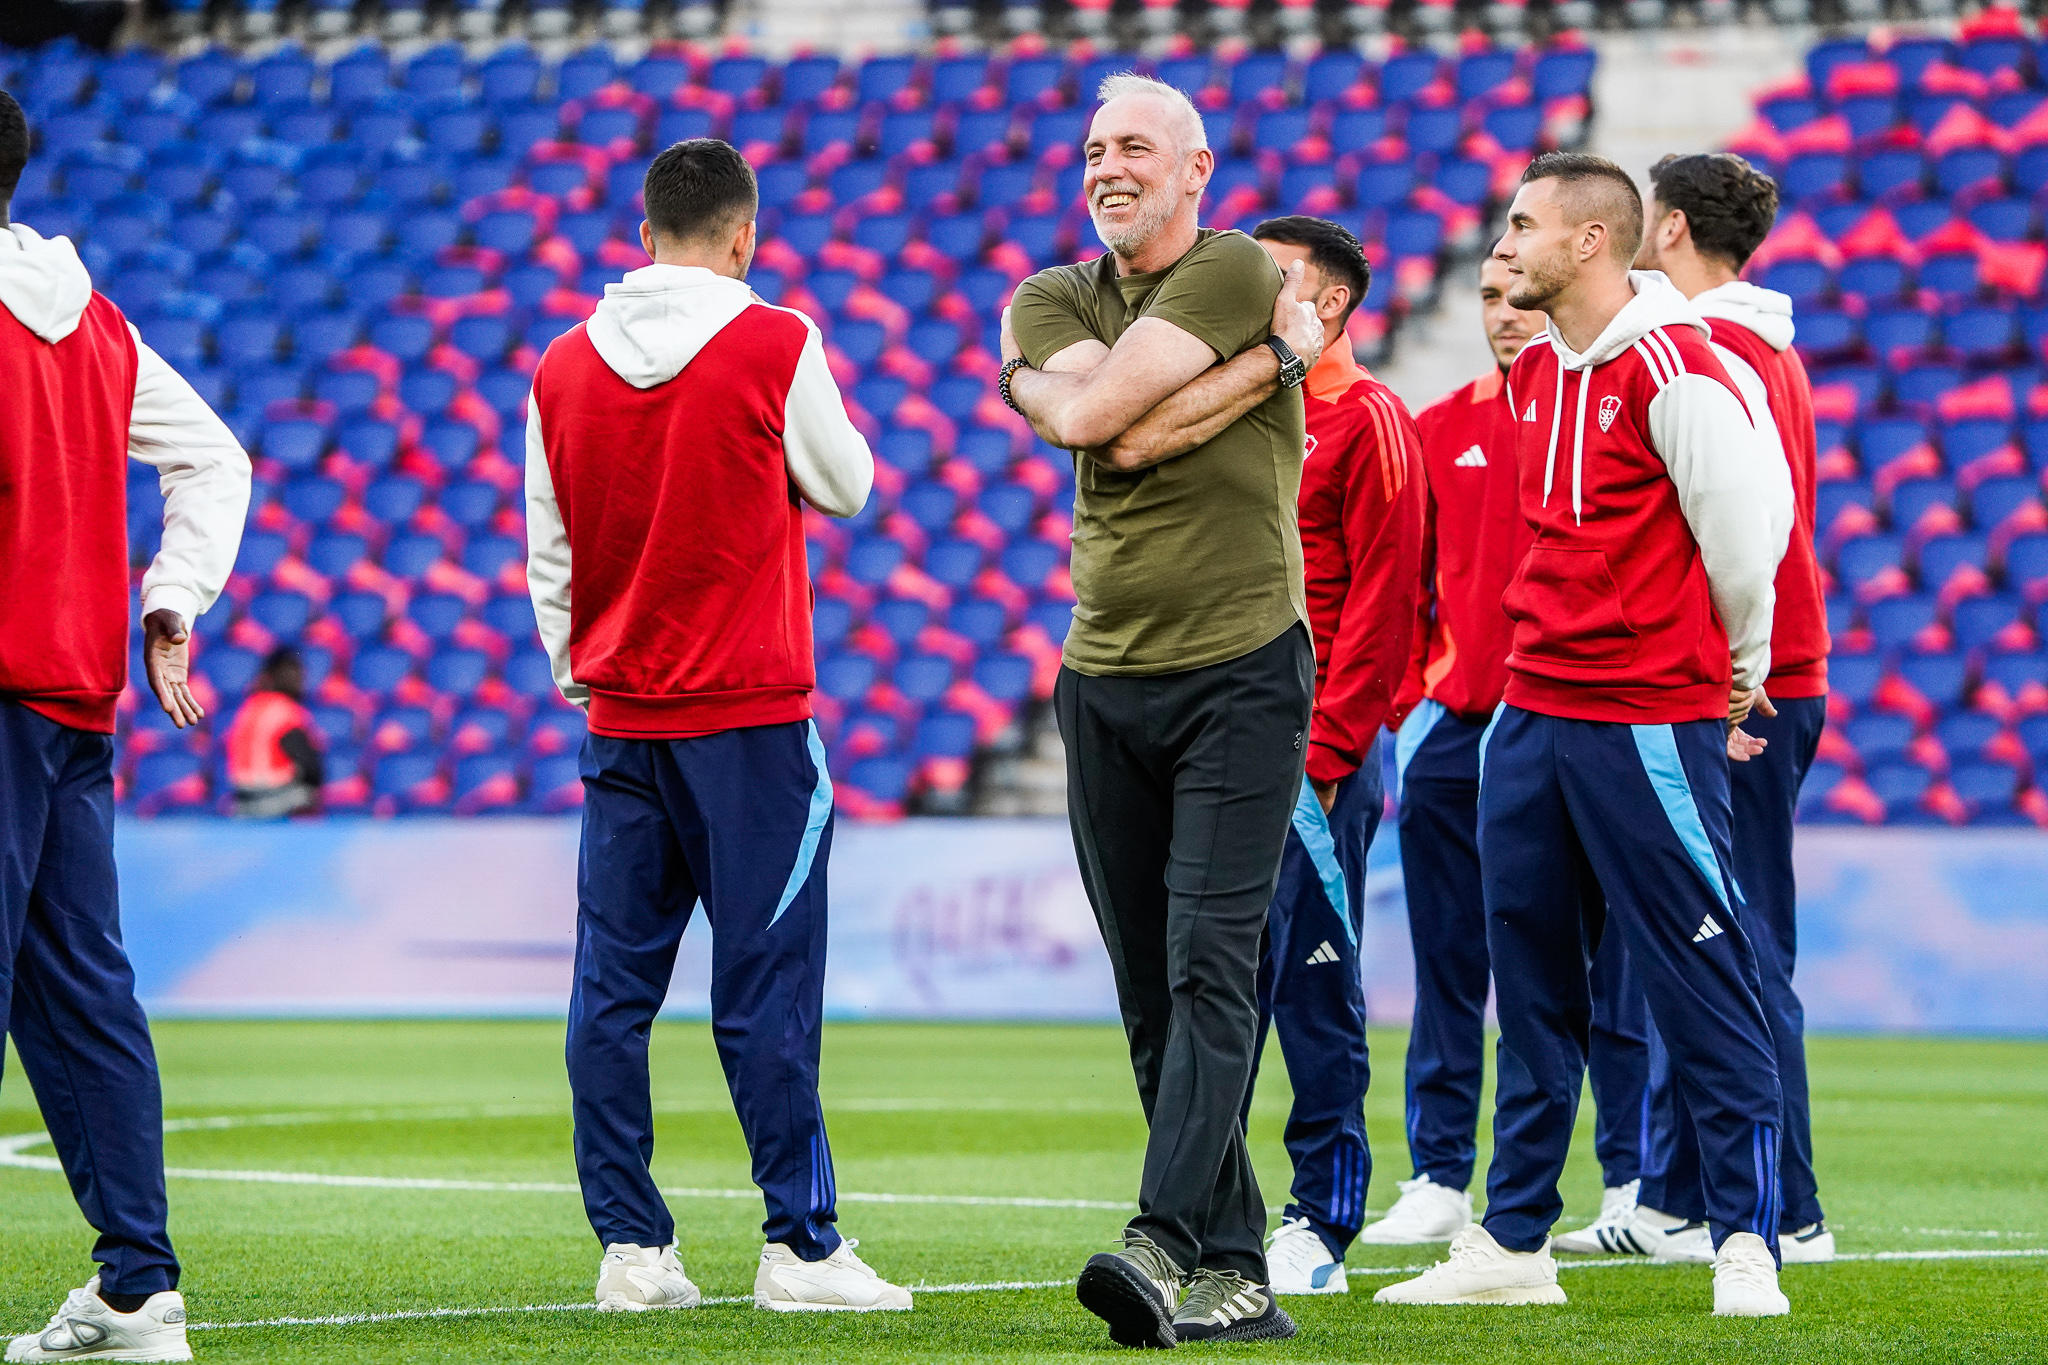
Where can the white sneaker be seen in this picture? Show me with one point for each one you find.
(1607, 1235)
(1746, 1280)
(1811, 1245)
(1297, 1262)
(841, 1283)
(85, 1328)
(1481, 1270)
(1667, 1238)
(1425, 1212)
(633, 1279)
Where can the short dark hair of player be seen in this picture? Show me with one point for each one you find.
(13, 145)
(1729, 204)
(1338, 257)
(1594, 187)
(699, 189)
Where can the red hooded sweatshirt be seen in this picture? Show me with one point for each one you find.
(1473, 538)
(1660, 518)
(670, 443)
(1361, 541)
(80, 396)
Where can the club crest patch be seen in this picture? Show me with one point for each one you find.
(1610, 408)
(1308, 447)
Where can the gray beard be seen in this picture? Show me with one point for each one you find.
(1143, 228)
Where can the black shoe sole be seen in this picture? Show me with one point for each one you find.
(1273, 1326)
(1113, 1290)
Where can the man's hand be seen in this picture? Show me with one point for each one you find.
(166, 658)
(1743, 746)
(1294, 319)
(1326, 793)
(1741, 703)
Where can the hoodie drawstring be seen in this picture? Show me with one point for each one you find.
(1556, 416)
(1579, 445)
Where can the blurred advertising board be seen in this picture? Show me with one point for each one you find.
(1901, 929)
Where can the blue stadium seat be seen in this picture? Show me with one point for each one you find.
(1902, 787)
(1896, 620)
(1854, 676)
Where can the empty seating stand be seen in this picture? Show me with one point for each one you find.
(359, 258)
(1914, 173)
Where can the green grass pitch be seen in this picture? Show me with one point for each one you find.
(1926, 1146)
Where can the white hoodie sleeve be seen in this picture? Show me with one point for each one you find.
(547, 561)
(1778, 466)
(204, 475)
(828, 458)
(1730, 489)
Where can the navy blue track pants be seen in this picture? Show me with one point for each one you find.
(1765, 794)
(1582, 822)
(1312, 994)
(1436, 761)
(67, 993)
(742, 820)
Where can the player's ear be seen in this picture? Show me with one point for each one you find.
(1334, 301)
(743, 243)
(647, 238)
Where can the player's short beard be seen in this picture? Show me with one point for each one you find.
(1154, 210)
(1541, 281)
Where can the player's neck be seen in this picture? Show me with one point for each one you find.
(1694, 275)
(721, 263)
(1166, 246)
(1583, 314)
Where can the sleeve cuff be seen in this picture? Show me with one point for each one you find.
(1325, 764)
(171, 597)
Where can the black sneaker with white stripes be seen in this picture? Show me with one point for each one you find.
(1133, 1290)
(1222, 1305)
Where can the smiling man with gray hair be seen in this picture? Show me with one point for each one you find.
(1171, 366)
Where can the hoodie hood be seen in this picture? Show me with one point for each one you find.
(1657, 304)
(1763, 311)
(42, 282)
(654, 322)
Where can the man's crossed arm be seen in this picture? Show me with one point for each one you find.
(1158, 392)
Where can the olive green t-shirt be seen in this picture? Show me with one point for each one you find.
(1197, 559)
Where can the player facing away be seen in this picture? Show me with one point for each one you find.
(1707, 213)
(1169, 365)
(672, 443)
(1642, 627)
(1361, 531)
(83, 396)
(1473, 540)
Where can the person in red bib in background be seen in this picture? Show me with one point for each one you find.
(1361, 542)
(274, 760)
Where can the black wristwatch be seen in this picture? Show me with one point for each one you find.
(1293, 369)
(1010, 368)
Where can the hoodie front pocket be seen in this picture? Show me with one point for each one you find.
(1567, 610)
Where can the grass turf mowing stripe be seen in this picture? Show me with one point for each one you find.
(1010, 1286)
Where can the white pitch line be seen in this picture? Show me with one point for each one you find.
(1004, 1286)
(13, 1153)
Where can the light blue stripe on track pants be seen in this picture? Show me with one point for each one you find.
(1312, 995)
